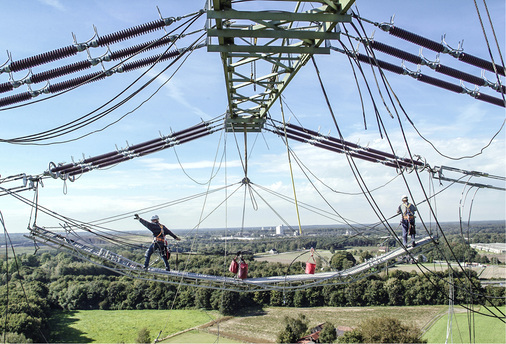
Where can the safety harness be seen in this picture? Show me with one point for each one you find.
(161, 236)
(407, 215)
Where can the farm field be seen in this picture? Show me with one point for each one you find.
(264, 326)
(256, 326)
(289, 257)
(197, 336)
(485, 272)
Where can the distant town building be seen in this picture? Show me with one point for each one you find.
(494, 248)
(383, 249)
(280, 230)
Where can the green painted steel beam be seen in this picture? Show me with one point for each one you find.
(274, 43)
(248, 123)
(345, 5)
(280, 16)
(299, 34)
(267, 49)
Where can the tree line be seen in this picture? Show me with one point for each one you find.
(34, 286)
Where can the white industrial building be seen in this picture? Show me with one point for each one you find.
(280, 230)
(494, 248)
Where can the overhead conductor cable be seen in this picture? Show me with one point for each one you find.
(68, 84)
(85, 64)
(70, 50)
(421, 77)
(141, 149)
(455, 73)
(438, 47)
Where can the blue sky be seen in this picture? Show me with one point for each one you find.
(456, 124)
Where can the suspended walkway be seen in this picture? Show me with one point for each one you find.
(122, 265)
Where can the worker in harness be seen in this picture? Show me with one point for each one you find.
(408, 221)
(159, 242)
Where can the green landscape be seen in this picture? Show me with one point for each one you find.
(241, 171)
(200, 326)
(53, 296)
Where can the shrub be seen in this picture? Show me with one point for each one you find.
(143, 336)
(328, 333)
(383, 330)
(294, 329)
(11, 337)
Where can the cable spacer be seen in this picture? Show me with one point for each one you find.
(451, 51)
(92, 42)
(6, 67)
(52, 174)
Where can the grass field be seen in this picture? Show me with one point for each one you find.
(123, 326)
(257, 326)
(486, 329)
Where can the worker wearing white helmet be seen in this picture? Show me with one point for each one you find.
(408, 221)
(159, 243)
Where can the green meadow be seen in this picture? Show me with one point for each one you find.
(199, 326)
(469, 327)
(123, 326)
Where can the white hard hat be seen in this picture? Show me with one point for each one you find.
(405, 197)
(154, 217)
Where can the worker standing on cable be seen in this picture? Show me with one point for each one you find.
(159, 242)
(408, 221)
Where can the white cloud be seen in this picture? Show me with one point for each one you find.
(53, 3)
(175, 92)
(158, 164)
(456, 124)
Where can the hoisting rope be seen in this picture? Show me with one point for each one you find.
(193, 179)
(6, 276)
(432, 210)
(358, 177)
(245, 181)
(496, 70)
(273, 210)
(193, 241)
(290, 165)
